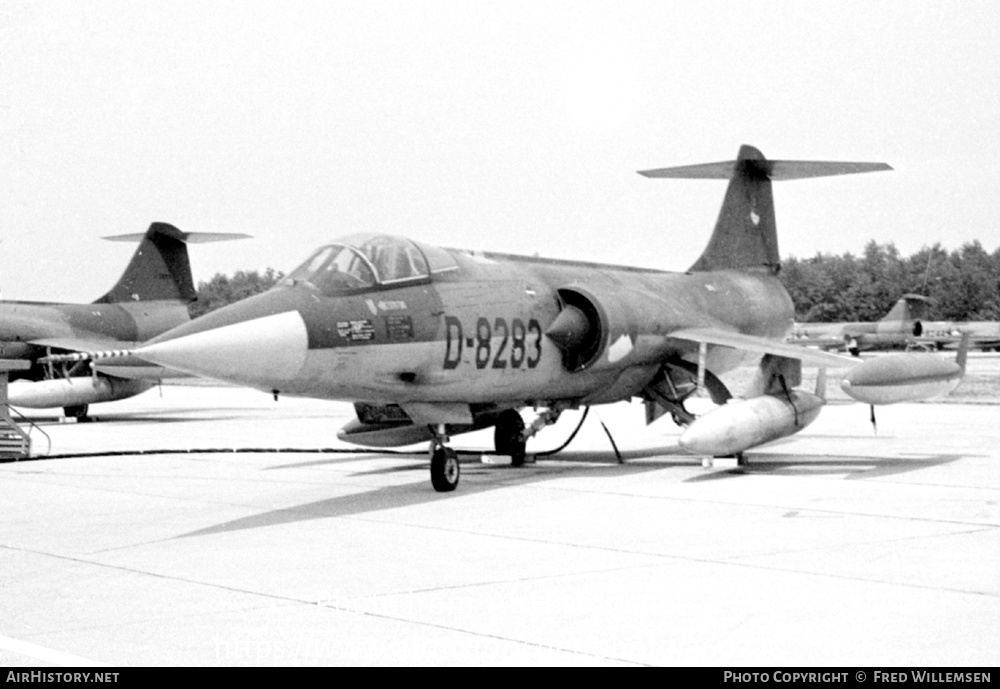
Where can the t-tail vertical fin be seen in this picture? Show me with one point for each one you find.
(909, 307)
(160, 268)
(745, 235)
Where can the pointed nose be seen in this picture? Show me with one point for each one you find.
(265, 353)
(570, 329)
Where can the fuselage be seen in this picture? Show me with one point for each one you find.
(475, 332)
(857, 336)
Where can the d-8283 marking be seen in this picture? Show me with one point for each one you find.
(525, 343)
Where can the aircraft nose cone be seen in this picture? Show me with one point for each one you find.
(264, 353)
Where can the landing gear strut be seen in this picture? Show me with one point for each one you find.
(508, 436)
(675, 382)
(445, 469)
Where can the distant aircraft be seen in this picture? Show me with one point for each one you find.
(948, 334)
(431, 342)
(898, 329)
(151, 297)
(904, 327)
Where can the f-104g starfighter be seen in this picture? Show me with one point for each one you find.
(431, 342)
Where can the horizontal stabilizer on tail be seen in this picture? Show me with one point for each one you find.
(777, 170)
(745, 235)
(172, 232)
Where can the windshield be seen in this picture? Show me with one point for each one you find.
(334, 269)
(364, 261)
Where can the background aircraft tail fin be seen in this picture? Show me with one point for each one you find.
(909, 307)
(160, 268)
(745, 234)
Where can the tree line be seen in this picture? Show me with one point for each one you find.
(964, 284)
(222, 290)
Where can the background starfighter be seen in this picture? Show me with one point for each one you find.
(151, 296)
(431, 342)
(904, 327)
(899, 328)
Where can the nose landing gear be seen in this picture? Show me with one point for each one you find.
(445, 469)
(510, 437)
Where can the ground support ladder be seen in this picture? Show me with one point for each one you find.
(14, 442)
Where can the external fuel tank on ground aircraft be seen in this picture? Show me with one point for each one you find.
(905, 377)
(742, 424)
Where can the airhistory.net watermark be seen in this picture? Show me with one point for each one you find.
(32, 676)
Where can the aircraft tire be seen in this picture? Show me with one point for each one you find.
(77, 411)
(445, 469)
(507, 436)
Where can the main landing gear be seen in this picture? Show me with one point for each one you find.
(508, 436)
(78, 412)
(445, 469)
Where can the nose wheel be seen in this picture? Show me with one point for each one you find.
(445, 469)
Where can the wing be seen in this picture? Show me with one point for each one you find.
(760, 345)
(79, 344)
(124, 366)
(821, 342)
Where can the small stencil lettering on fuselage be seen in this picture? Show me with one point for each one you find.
(356, 331)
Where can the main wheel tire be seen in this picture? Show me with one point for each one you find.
(445, 469)
(507, 436)
(77, 411)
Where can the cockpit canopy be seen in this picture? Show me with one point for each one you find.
(367, 261)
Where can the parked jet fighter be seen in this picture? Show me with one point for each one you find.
(939, 335)
(904, 327)
(151, 297)
(431, 342)
(899, 329)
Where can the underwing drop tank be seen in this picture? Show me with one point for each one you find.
(742, 424)
(70, 392)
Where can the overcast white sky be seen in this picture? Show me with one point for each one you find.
(511, 126)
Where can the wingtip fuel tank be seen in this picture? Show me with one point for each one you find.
(906, 377)
(902, 378)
